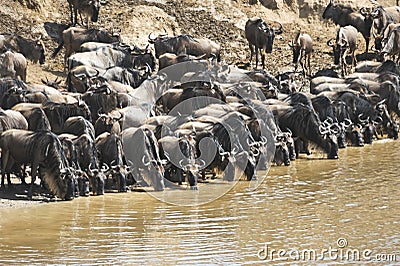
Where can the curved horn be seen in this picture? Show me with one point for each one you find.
(378, 120)
(145, 164)
(278, 30)
(105, 167)
(95, 75)
(257, 152)
(334, 128)
(323, 130)
(264, 140)
(203, 163)
(151, 38)
(347, 122)
(364, 11)
(362, 120)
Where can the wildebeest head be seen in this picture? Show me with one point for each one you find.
(83, 183)
(151, 161)
(119, 175)
(338, 49)
(356, 137)
(281, 152)
(267, 35)
(70, 181)
(39, 51)
(97, 179)
(329, 11)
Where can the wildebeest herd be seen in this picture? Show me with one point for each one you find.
(118, 123)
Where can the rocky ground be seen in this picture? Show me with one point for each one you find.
(220, 20)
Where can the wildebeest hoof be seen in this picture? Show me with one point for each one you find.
(194, 188)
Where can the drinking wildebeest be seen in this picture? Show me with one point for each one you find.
(260, 37)
(302, 48)
(142, 153)
(39, 149)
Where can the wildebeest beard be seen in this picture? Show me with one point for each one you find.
(54, 161)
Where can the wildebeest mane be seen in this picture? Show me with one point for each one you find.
(54, 162)
(304, 123)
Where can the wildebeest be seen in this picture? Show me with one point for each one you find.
(302, 48)
(142, 154)
(180, 154)
(185, 44)
(78, 126)
(109, 148)
(13, 65)
(39, 149)
(392, 46)
(169, 59)
(382, 17)
(82, 77)
(10, 119)
(346, 42)
(344, 15)
(33, 50)
(384, 38)
(107, 123)
(100, 100)
(36, 118)
(260, 37)
(90, 8)
(83, 154)
(73, 37)
(59, 113)
(106, 58)
(306, 125)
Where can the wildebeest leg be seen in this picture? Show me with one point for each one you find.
(309, 64)
(366, 44)
(71, 10)
(179, 176)
(192, 180)
(75, 16)
(262, 59)
(251, 53)
(5, 157)
(301, 60)
(34, 171)
(256, 57)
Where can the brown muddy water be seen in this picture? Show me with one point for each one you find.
(307, 206)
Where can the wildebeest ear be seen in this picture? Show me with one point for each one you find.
(103, 2)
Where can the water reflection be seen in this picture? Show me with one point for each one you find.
(308, 205)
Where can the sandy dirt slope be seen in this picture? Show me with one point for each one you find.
(220, 20)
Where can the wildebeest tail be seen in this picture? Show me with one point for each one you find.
(58, 49)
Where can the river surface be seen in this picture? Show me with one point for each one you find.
(350, 204)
